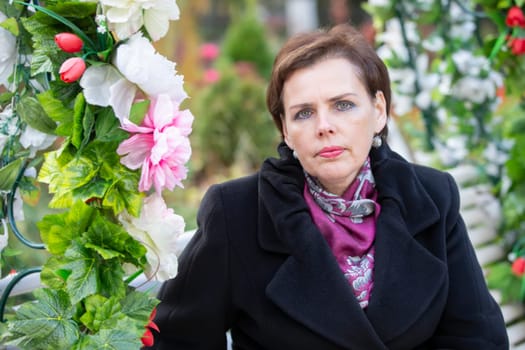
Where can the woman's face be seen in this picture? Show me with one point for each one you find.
(330, 120)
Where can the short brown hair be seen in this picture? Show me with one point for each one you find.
(306, 49)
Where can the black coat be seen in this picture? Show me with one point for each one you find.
(259, 266)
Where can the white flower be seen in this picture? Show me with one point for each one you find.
(468, 64)
(137, 66)
(474, 89)
(8, 54)
(402, 104)
(35, 140)
(434, 43)
(126, 17)
(8, 125)
(404, 78)
(162, 233)
(454, 150)
(97, 81)
(463, 31)
(393, 38)
(153, 73)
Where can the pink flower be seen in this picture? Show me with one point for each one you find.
(211, 76)
(69, 42)
(209, 51)
(72, 69)
(160, 145)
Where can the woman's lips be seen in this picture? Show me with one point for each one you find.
(331, 152)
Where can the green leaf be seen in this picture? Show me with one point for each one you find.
(75, 174)
(498, 45)
(6, 97)
(9, 173)
(111, 278)
(95, 189)
(52, 274)
(45, 51)
(83, 279)
(112, 339)
(88, 124)
(123, 193)
(500, 276)
(107, 127)
(101, 312)
(59, 230)
(78, 109)
(46, 323)
(139, 305)
(11, 25)
(138, 111)
(31, 112)
(111, 240)
(56, 110)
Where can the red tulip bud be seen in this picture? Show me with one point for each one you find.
(518, 266)
(72, 69)
(517, 45)
(69, 42)
(515, 17)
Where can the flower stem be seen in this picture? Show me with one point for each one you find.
(133, 276)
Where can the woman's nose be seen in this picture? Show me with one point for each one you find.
(324, 124)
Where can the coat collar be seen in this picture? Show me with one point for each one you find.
(406, 278)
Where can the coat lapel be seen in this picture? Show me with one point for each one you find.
(310, 287)
(407, 277)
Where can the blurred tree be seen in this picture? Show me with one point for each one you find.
(233, 126)
(245, 40)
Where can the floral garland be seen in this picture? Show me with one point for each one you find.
(90, 109)
(467, 86)
(438, 67)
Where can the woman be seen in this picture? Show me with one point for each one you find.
(338, 244)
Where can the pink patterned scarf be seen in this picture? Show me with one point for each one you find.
(348, 227)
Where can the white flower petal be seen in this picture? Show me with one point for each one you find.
(122, 94)
(96, 82)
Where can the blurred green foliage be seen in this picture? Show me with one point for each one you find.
(232, 123)
(245, 41)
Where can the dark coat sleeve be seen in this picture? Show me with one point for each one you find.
(471, 319)
(194, 312)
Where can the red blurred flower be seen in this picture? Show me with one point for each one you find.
(211, 76)
(515, 17)
(72, 69)
(517, 45)
(518, 266)
(209, 51)
(147, 338)
(69, 42)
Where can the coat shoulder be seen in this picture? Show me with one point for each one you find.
(439, 184)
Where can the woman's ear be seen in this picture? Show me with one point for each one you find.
(285, 133)
(381, 114)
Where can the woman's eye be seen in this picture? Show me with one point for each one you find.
(304, 114)
(344, 105)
